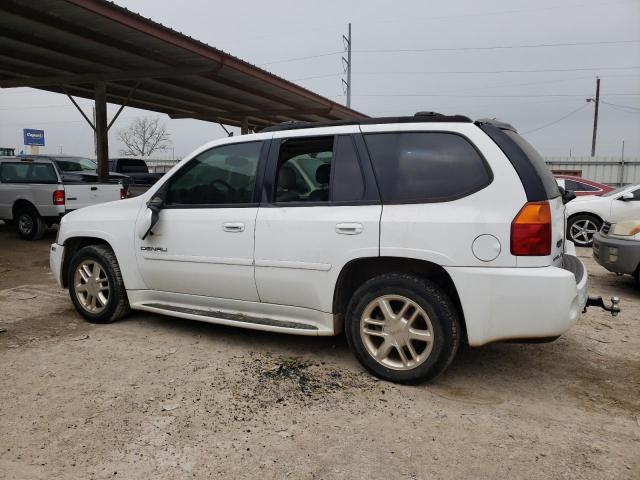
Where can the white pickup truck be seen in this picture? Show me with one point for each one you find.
(33, 195)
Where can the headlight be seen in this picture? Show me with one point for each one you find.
(626, 229)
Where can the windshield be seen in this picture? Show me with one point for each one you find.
(615, 192)
(76, 164)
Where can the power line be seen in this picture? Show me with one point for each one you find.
(465, 72)
(496, 47)
(454, 49)
(556, 121)
(618, 109)
(487, 96)
(544, 70)
(621, 106)
(296, 59)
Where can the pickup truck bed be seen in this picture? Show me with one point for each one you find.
(33, 194)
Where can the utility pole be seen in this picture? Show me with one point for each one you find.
(595, 116)
(346, 65)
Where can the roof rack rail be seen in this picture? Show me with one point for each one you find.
(419, 117)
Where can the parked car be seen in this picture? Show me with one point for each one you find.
(34, 195)
(419, 232)
(581, 186)
(80, 169)
(586, 215)
(617, 247)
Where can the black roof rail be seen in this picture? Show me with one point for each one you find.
(417, 118)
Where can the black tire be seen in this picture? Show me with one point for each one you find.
(435, 303)
(29, 224)
(576, 222)
(117, 304)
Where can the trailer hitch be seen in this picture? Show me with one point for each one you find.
(599, 302)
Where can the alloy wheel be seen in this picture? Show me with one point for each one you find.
(91, 286)
(396, 332)
(582, 231)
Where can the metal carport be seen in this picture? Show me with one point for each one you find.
(98, 50)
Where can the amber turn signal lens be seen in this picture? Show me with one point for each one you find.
(531, 230)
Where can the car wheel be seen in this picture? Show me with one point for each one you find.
(582, 228)
(29, 224)
(95, 285)
(402, 328)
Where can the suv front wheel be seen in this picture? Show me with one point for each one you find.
(402, 328)
(95, 285)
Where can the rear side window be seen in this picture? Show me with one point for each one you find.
(414, 167)
(133, 166)
(20, 172)
(580, 187)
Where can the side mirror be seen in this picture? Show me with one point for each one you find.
(567, 195)
(150, 217)
(627, 197)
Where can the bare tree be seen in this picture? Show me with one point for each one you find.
(143, 137)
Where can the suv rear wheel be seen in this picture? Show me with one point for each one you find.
(29, 224)
(402, 328)
(95, 285)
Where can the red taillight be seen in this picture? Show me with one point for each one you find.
(58, 197)
(531, 230)
(123, 193)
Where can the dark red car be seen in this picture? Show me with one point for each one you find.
(581, 186)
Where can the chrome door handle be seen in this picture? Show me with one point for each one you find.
(349, 228)
(233, 227)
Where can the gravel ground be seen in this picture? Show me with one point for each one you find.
(157, 397)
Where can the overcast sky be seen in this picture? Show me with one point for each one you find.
(398, 48)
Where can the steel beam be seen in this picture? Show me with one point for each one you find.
(101, 131)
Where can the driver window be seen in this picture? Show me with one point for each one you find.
(222, 175)
(304, 169)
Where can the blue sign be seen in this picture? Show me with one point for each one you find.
(33, 137)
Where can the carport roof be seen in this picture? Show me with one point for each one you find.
(67, 46)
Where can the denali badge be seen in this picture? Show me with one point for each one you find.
(153, 249)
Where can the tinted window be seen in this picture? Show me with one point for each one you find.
(636, 194)
(537, 162)
(222, 175)
(579, 186)
(73, 164)
(132, 166)
(20, 172)
(347, 183)
(425, 166)
(14, 172)
(43, 173)
(304, 169)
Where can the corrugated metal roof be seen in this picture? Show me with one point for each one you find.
(68, 44)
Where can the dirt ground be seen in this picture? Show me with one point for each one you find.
(157, 397)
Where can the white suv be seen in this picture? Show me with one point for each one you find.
(411, 234)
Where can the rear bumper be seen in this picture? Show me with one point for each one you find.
(56, 254)
(520, 303)
(625, 260)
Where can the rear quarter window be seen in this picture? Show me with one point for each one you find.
(423, 167)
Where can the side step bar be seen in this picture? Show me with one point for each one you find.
(599, 302)
(247, 320)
